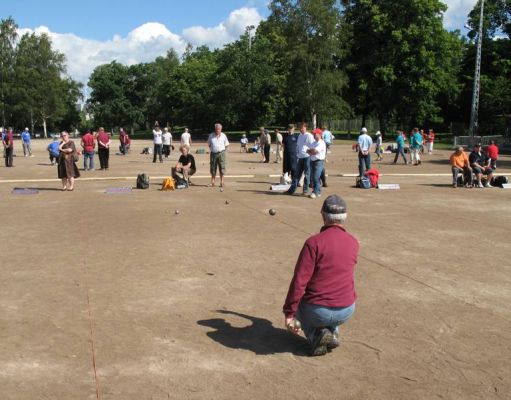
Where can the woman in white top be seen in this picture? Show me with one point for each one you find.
(186, 138)
(317, 151)
(167, 142)
(158, 142)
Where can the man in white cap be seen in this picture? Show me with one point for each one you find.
(26, 141)
(322, 293)
(364, 151)
(378, 150)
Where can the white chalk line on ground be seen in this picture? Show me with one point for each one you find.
(120, 178)
(114, 178)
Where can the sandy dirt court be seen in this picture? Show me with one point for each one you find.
(115, 296)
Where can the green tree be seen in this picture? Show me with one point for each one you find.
(248, 88)
(497, 17)
(8, 36)
(311, 52)
(40, 89)
(108, 102)
(494, 114)
(402, 60)
(159, 108)
(186, 93)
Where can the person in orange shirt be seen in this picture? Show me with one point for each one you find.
(459, 163)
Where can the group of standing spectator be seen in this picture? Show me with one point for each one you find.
(88, 144)
(305, 155)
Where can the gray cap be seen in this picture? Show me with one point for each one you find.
(363, 130)
(334, 204)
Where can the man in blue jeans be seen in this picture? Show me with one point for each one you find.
(303, 142)
(317, 151)
(322, 293)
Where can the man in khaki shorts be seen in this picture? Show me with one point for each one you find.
(217, 143)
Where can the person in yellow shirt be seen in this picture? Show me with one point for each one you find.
(459, 163)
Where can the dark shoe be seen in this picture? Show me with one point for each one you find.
(319, 347)
(324, 184)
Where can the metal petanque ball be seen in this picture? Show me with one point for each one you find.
(272, 211)
(221, 189)
(176, 212)
(226, 202)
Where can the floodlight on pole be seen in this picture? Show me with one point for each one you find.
(477, 79)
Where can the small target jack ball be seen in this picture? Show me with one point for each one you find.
(221, 189)
(272, 211)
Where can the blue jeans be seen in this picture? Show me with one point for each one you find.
(317, 169)
(303, 167)
(88, 155)
(313, 318)
(364, 163)
(400, 150)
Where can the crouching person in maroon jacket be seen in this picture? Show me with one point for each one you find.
(322, 293)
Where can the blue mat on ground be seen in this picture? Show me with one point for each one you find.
(118, 190)
(24, 191)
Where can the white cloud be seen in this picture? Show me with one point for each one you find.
(457, 13)
(144, 43)
(225, 32)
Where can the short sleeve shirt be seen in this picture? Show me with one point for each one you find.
(217, 143)
(188, 159)
(320, 146)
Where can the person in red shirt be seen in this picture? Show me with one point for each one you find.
(103, 139)
(430, 139)
(322, 294)
(8, 142)
(123, 139)
(88, 145)
(493, 154)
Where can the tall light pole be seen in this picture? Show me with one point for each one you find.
(249, 30)
(477, 79)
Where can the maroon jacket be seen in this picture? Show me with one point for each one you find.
(324, 272)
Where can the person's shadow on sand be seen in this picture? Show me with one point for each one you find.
(261, 336)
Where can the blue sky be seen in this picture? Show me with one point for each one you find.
(94, 32)
(102, 19)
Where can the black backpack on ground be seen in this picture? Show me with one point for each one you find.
(142, 181)
(498, 181)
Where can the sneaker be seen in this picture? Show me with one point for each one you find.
(305, 194)
(335, 342)
(454, 185)
(319, 347)
(312, 196)
(324, 184)
(480, 185)
(487, 185)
